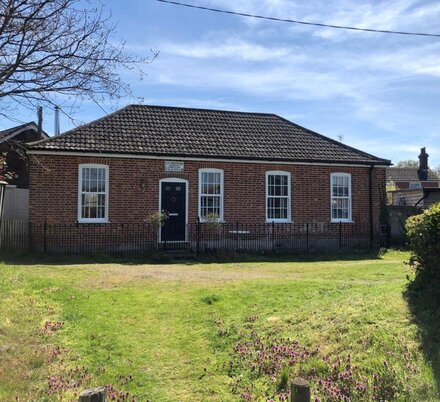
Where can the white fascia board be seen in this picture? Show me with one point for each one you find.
(186, 158)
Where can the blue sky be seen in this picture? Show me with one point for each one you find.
(381, 93)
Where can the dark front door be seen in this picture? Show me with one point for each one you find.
(173, 202)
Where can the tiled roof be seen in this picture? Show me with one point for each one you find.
(407, 174)
(10, 132)
(186, 132)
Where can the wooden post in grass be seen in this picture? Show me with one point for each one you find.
(300, 390)
(93, 395)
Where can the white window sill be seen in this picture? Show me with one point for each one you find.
(219, 221)
(279, 221)
(341, 221)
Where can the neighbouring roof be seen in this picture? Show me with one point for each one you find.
(13, 131)
(188, 132)
(407, 174)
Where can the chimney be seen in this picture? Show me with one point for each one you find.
(423, 164)
(57, 121)
(40, 122)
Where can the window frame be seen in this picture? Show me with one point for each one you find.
(350, 201)
(211, 170)
(80, 192)
(289, 197)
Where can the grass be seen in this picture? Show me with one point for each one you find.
(171, 332)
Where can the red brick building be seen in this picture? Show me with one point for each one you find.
(208, 165)
(412, 178)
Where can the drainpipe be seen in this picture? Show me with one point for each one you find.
(370, 195)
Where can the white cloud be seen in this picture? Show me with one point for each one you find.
(231, 48)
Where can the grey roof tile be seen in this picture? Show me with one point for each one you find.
(187, 132)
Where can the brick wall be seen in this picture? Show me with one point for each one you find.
(134, 189)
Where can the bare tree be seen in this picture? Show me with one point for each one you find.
(414, 164)
(407, 164)
(50, 47)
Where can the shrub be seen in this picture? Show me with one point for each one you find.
(157, 219)
(211, 223)
(423, 232)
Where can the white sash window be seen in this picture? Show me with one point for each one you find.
(210, 194)
(93, 193)
(278, 196)
(340, 187)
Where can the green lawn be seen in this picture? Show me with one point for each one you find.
(211, 331)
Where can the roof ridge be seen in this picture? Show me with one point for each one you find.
(19, 126)
(199, 109)
(13, 131)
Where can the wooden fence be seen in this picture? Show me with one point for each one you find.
(14, 234)
(16, 203)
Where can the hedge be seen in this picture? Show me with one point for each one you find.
(423, 232)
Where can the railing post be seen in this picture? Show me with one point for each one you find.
(307, 237)
(237, 236)
(340, 235)
(198, 237)
(93, 395)
(388, 235)
(164, 241)
(300, 390)
(45, 237)
(273, 237)
(30, 236)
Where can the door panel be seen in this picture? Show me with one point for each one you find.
(173, 202)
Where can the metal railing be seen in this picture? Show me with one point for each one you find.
(132, 238)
